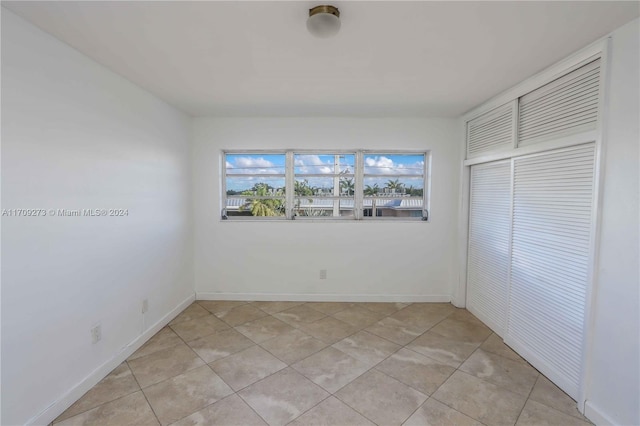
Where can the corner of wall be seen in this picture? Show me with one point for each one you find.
(459, 273)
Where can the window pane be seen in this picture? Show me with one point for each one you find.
(329, 164)
(255, 185)
(394, 164)
(253, 207)
(255, 176)
(391, 185)
(323, 207)
(318, 177)
(255, 164)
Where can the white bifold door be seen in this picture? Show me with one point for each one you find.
(550, 261)
(529, 256)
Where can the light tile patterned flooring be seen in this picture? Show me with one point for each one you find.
(277, 363)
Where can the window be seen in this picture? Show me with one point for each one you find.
(255, 185)
(394, 185)
(324, 185)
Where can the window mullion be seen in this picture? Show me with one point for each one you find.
(426, 193)
(289, 186)
(223, 185)
(359, 185)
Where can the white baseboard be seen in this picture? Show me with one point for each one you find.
(458, 303)
(596, 415)
(58, 407)
(300, 297)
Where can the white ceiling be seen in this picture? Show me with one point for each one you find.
(390, 58)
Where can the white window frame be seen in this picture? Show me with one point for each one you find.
(426, 184)
(358, 173)
(333, 197)
(223, 184)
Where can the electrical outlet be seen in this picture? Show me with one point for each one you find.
(96, 333)
(323, 274)
(145, 305)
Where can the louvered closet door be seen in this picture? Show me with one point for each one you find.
(553, 197)
(488, 258)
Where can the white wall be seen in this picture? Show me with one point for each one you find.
(75, 136)
(364, 261)
(613, 387)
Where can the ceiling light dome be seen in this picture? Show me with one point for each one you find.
(324, 21)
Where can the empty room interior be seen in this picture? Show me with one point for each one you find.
(310, 213)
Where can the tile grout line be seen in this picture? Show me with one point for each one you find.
(53, 422)
(458, 369)
(145, 395)
(452, 373)
(491, 383)
(582, 418)
(186, 371)
(415, 338)
(251, 408)
(311, 408)
(169, 378)
(527, 399)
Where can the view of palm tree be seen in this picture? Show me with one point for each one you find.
(264, 206)
(394, 186)
(414, 192)
(347, 186)
(371, 190)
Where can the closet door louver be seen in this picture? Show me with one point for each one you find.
(488, 256)
(491, 132)
(553, 197)
(566, 106)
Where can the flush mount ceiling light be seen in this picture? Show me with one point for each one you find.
(324, 21)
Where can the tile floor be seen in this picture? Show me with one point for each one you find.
(277, 363)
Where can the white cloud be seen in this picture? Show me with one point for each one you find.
(312, 164)
(253, 162)
(253, 166)
(308, 160)
(385, 166)
(380, 163)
